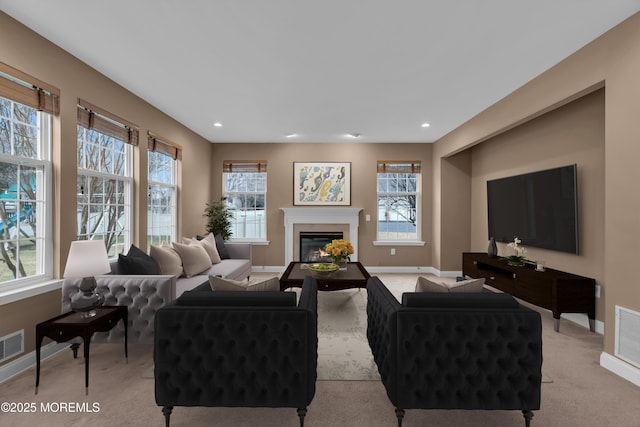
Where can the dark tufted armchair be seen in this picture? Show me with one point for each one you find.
(455, 351)
(237, 349)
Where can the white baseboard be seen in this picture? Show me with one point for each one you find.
(620, 368)
(28, 360)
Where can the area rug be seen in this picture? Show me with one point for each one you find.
(343, 349)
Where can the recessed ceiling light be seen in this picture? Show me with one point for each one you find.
(353, 135)
(425, 125)
(291, 135)
(218, 124)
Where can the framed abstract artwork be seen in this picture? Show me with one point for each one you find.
(322, 183)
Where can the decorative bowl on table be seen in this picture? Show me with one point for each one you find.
(323, 269)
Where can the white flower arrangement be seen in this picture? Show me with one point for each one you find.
(517, 259)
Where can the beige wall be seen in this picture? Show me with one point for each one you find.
(363, 158)
(612, 61)
(571, 134)
(26, 51)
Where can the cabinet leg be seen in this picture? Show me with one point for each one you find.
(556, 325)
(592, 325)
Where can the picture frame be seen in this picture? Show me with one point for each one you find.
(322, 183)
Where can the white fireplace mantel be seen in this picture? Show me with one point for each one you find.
(316, 215)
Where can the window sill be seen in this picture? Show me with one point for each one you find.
(20, 292)
(253, 242)
(399, 243)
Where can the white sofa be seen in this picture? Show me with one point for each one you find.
(145, 294)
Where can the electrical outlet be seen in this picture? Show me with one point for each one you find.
(597, 291)
(393, 251)
(367, 217)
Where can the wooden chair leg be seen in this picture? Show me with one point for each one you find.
(528, 415)
(166, 410)
(301, 413)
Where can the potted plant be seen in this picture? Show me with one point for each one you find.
(219, 218)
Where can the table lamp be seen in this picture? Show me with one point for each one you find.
(87, 258)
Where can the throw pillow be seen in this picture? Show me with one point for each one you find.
(167, 258)
(272, 284)
(137, 262)
(195, 259)
(428, 285)
(209, 245)
(222, 284)
(222, 249)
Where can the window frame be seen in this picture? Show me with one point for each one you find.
(410, 165)
(173, 186)
(128, 186)
(244, 170)
(44, 260)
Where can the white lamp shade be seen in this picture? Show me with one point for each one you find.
(87, 258)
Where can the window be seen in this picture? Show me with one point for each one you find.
(398, 201)
(245, 187)
(104, 178)
(163, 190)
(25, 178)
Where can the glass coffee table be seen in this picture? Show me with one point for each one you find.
(355, 276)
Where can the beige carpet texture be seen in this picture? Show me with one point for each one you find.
(576, 391)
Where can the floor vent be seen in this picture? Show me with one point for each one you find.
(628, 335)
(11, 345)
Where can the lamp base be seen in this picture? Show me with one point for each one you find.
(87, 300)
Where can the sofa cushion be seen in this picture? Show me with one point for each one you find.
(167, 258)
(222, 284)
(195, 259)
(137, 262)
(209, 245)
(222, 250)
(424, 284)
(238, 298)
(488, 300)
(232, 268)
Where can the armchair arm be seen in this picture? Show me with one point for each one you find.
(382, 333)
(142, 294)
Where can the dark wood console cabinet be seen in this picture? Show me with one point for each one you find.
(554, 290)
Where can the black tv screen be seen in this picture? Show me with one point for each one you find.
(540, 208)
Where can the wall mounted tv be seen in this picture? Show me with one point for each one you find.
(540, 208)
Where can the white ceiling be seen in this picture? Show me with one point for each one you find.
(325, 68)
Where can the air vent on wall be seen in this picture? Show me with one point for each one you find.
(11, 345)
(628, 335)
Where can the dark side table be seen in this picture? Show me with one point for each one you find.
(70, 325)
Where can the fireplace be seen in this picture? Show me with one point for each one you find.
(312, 243)
(318, 219)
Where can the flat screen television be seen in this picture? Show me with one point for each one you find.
(540, 208)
